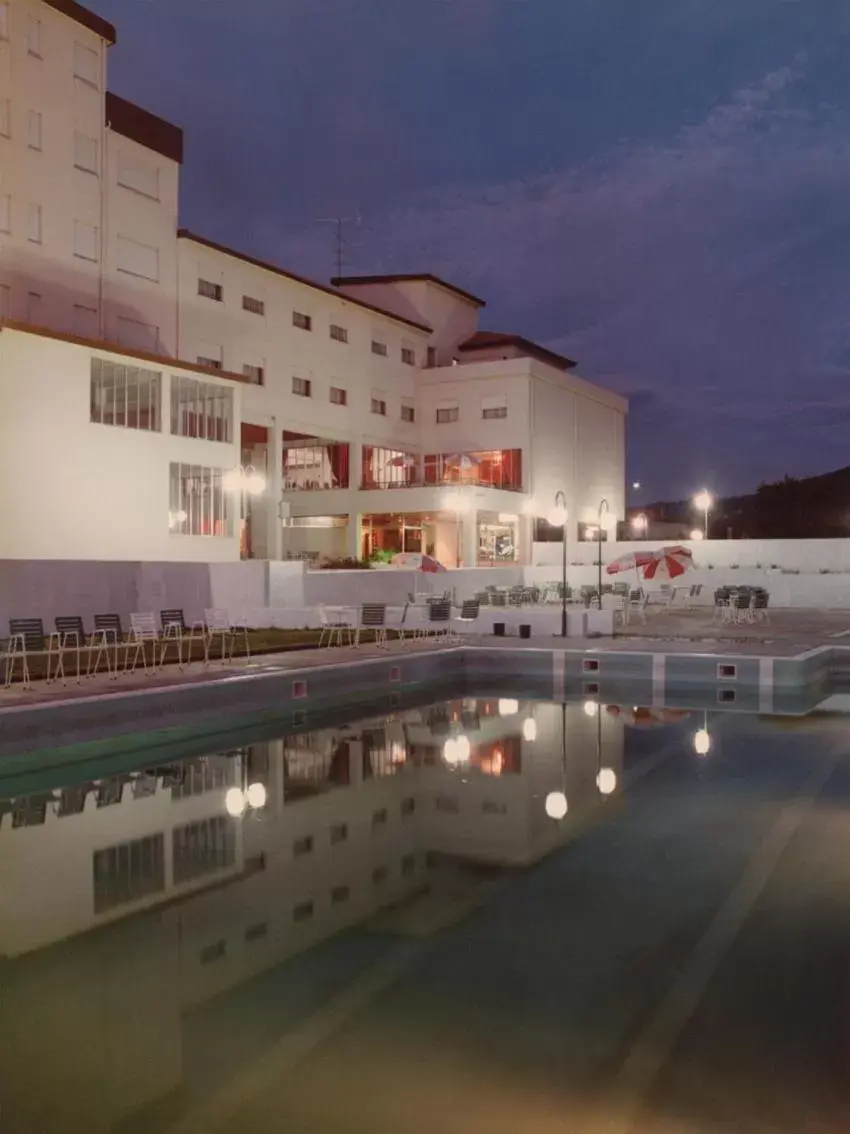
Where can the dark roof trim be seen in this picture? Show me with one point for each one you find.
(162, 360)
(139, 125)
(425, 277)
(487, 340)
(83, 16)
(185, 234)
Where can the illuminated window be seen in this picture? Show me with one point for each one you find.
(201, 409)
(128, 396)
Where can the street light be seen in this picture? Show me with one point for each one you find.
(697, 534)
(245, 481)
(603, 507)
(703, 501)
(558, 516)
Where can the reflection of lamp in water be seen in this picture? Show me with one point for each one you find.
(606, 781)
(556, 801)
(591, 708)
(702, 738)
(556, 805)
(256, 795)
(456, 750)
(235, 802)
(508, 707)
(529, 729)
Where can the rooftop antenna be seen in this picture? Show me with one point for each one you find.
(339, 241)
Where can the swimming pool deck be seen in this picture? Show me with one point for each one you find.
(791, 634)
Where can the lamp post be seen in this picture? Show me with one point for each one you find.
(703, 501)
(246, 481)
(603, 507)
(557, 516)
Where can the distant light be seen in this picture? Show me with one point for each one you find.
(556, 805)
(256, 795)
(234, 802)
(703, 500)
(697, 534)
(636, 484)
(508, 707)
(529, 729)
(702, 742)
(606, 781)
(591, 708)
(639, 523)
(463, 749)
(456, 750)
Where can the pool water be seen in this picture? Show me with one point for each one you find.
(481, 914)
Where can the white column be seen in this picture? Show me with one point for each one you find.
(354, 536)
(469, 538)
(274, 489)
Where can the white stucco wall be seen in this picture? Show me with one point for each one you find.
(71, 489)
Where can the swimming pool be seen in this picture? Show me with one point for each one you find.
(457, 912)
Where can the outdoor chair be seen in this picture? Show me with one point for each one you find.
(26, 639)
(106, 641)
(468, 616)
(439, 621)
(175, 629)
(71, 635)
(759, 607)
(332, 632)
(373, 616)
(217, 624)
(401, 625)
(635, 606)
(143, 633)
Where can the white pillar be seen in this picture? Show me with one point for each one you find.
(354, 536)
(469, 538)
(274, 490)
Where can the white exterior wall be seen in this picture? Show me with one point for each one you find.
(76, 490)
(46, 279)
(141, 313)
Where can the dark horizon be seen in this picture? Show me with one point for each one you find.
(667, 199)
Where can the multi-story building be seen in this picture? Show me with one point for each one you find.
(165, 397)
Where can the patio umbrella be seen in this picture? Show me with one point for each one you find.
(416, 561)
(631, 562)
(668, 563)
(462, 461)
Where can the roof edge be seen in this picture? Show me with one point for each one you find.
(187, 234)
(81, 15)
(142, 126)
(488, 340)
(412, 277)
(163, 360)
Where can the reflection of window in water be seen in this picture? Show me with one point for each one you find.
(313, 763)
(128, 872)
(203, 848)
(210, 773)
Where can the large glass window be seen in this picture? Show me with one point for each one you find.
(389, 468)
(490, 468)
(201, 409)
(125, 395)
(197, 502)
(310, 463)
(128, 872)
(203, 848)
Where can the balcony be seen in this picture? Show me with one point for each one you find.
(387, 468)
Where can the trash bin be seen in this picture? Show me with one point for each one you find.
(499, 629)
(525, 631)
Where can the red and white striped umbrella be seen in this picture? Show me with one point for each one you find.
(669, 563)
(631, 562)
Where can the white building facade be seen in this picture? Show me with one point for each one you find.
(194, 403)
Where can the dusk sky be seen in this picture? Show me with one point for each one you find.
(659, 189)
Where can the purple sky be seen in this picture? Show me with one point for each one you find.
(660, 190)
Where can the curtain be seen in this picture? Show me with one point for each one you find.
(367, 478)
(338, 457)
(512, 468)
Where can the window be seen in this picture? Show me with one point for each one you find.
(339, 397)
(86, 241)
(85, 153)
(310, 463)
(139, 177)
(496, 468)
(197, 502)
(216, 772)
(130, 396)
(204, 847)
(34, 37)
(303, 911)
(128, 872)
(138, 335)
(379, 406)
(379, 875)
(494, 407)
(302, 387)
(212, 953)
(34, 130)
(256, 932)
(408, 356)
(299, 319)
(339, 333)
(254, 374)
(34, 224)
(201, 409)
(447, 414)
(339, 833)
(255, 306)
(388, 468)
(86, 65)
(210, 363)
(210, 290)
(33, 307)
(408, 413)
(302, 846)
(408, 806)
(339, 894)
(379, 348)
(432, 356)
(379, 818)
(137, 259)
(5, 118)
(4, 19)
(85, 321)
(5, 212)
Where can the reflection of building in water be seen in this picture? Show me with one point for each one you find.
(233, 862)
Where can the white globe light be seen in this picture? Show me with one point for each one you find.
(702, 742)
(256, 795)
(591, 708)
(463, 749)
(450, 751)
(556, 805)
(557, 517)
(508, 707)
(234, 802)
(529, 729)
(232, 480)
(255, 483)
(606, 781)
(697, 534)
